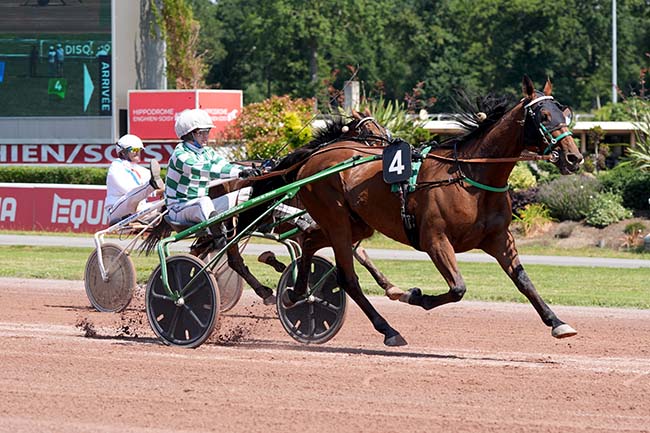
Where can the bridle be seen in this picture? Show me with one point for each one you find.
(533, 112)
(366, 137)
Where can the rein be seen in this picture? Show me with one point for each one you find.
(530, 157)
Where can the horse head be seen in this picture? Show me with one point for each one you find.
(364, 127)
(546, 127)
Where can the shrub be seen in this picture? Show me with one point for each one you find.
(633, 235)
(534, 218)
(629, 183)
(521, 178)
(522, 198)
(393, 116)
(273, 127)
(606, 209)
(544, 171)
(569, 197)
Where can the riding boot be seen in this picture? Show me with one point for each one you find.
(218, 233)
(305, 223)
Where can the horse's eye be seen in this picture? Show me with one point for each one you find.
(545, 116)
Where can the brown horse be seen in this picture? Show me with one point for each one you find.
(459, 202)
(362, 129)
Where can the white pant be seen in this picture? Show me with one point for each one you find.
(130, 203)
(199, 209)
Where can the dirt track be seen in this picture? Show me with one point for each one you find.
(470, 367)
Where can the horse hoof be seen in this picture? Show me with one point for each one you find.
(395, 293)
(395, 341)
(410, 295)
(269, 300)
(286, 300)
(563, 331)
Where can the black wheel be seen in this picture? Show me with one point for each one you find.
(189, 321)
(116, 293)
(319, 317)
(231, 284)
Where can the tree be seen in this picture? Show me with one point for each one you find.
(185, 67)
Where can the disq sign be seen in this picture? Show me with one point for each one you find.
(152, 113)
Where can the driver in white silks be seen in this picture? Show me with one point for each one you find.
(128, 184)
(193, 164)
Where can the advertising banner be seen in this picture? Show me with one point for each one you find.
(53, 208)
(224, 106)
(79, 153)
(152, 113)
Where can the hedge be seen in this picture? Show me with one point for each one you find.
(61, 175)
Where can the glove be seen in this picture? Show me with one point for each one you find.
(248, 172)
(268, 165)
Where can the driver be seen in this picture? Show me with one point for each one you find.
(128, 184)
(192, 166)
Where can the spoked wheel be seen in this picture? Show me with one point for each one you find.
(116, 293)
(319, 317)
(190, 320)
(231, 284)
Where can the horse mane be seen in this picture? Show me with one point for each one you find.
(469, 115)
(330, 132)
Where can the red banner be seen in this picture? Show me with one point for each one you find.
(82, 154)
(152, 113)
(53, 208)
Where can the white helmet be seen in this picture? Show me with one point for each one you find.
(189, 120)
(129, 142)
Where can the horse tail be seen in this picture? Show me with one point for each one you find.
(158, 232)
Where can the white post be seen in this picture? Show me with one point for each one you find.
(352, 96)
(614, 77)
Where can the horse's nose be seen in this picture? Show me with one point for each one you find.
(574, 159)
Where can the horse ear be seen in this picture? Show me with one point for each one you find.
(367, 112)
(527, 87)
(548, 87)
(355, 114)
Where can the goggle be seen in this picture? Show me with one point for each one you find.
(135, 149)
(202, 131)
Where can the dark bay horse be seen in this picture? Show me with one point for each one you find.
(459, 203)
(362, 129)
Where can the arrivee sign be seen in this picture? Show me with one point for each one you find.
(53, 208)
(152, 113)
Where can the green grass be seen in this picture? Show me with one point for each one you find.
(541, 248)
(485, 281)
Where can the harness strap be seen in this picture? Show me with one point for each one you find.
(486, 187)
(531, 157)
(408, 220)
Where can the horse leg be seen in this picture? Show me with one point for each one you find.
(236, 262)
(393, 292)
(348, 281)
(269, 258)
(503, 249)
(444, 258)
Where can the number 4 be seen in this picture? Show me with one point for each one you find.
(396, 165)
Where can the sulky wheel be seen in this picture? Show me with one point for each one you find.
(317, 318)
(190, 320)
(231, 284)
(116, 293)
